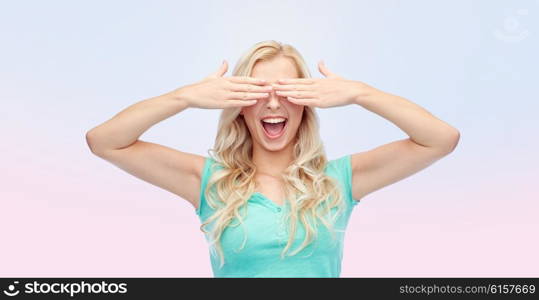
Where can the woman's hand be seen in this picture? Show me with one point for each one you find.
(216, 91)
(326, 92)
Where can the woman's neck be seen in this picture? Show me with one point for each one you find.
(272, 163)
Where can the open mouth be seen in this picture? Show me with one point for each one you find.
(274, 128)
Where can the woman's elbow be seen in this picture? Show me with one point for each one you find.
(91, 141)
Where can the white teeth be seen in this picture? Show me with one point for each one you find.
(274, 120)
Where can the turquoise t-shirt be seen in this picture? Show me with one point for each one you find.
(266, 236)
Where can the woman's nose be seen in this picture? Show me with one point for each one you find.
(273, 100)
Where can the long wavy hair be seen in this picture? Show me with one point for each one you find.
(310, 193)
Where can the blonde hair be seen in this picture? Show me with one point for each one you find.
(234, 183)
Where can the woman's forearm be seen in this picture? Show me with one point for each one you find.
(128, 125)
(422, 127)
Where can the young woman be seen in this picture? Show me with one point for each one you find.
(270, 202)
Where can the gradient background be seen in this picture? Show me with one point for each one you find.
(68, 66)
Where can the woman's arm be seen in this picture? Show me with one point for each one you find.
(422, 127)
(429, 140)
(127, 126)
(117, 141)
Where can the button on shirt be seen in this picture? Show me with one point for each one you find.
(267, 234)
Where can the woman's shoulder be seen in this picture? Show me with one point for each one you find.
(341, 169)
(339, 164)
(211, 164)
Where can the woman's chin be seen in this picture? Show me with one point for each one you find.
(273, 145)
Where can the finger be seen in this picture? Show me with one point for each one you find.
(246, 79)
(291, 87)
(305, 101)
(323, 69)
(247, 96)
(239, 103)
(236, 87)
(221, 71)
(296, 81)
(295, 94)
